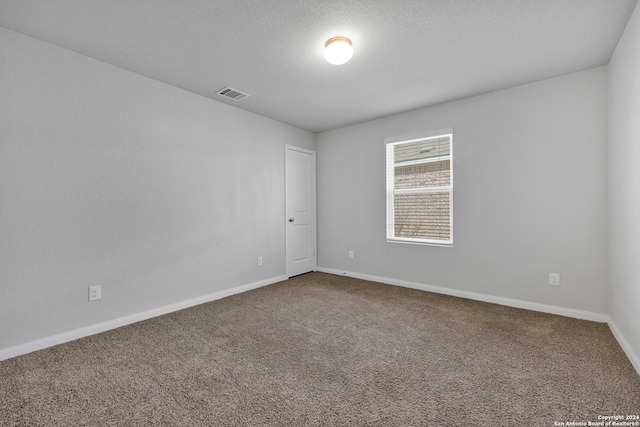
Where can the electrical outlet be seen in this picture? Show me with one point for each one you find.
(95, 292)
(259, 261)
(350, 254)
(554, 279)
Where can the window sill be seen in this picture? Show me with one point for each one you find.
(420, 242)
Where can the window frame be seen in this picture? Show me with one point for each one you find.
(391, 191)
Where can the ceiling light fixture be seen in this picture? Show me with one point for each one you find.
(338, 50)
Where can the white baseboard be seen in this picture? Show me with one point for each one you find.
(545, 308)
(10, 352)
(626, 347)
(18, 350)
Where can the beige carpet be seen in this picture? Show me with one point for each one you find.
(326, 350)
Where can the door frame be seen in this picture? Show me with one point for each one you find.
(314, 227)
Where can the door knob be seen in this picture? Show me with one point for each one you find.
(292, 220)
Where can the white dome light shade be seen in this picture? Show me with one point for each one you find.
(338, 50)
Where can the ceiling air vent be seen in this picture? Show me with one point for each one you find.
(231, 93)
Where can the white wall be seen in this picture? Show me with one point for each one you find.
(530, 195)
(110, 178)
(624, 199)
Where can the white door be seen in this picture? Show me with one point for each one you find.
(300, 177)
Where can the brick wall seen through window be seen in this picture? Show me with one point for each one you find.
(419, 190)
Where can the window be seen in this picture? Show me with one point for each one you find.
(420, 190)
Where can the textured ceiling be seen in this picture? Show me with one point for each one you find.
(407, 53)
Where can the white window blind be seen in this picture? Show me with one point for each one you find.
(420, 190)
